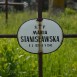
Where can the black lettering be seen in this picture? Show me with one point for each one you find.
(49, 45)
(43, 26)
(39, 32)
(54, 38)
(41, 39)
(36, 39)
(45, 32)
(51, 39)
(35, 45)
(32, 45)
(45, 45)
(22, 39)
(45, 39)
(36, 27)
(35, 32)
(26, 38)
(31, 39)
(29, 45)
(58, 39)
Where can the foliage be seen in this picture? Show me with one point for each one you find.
(15, 62)
(70, 11)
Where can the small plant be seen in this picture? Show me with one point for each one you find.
(69, 11)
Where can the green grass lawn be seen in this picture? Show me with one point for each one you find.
(15, 62)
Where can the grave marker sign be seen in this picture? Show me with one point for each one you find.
(28, 36)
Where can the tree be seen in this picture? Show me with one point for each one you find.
(56, 5)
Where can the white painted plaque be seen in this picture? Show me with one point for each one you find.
(52, 36)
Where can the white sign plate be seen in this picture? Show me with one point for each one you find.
(52, 36)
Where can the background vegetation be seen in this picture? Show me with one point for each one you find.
(15, 62)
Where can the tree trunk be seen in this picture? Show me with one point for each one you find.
(50, 6)
(56, 5)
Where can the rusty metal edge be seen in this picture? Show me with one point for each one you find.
(70, 36)
(15, 36)
(8, 35)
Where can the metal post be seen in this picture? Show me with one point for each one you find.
(40, 10)
(6, 9)
(15, 35)
(40, 54)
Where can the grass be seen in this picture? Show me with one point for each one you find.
(15, 62)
